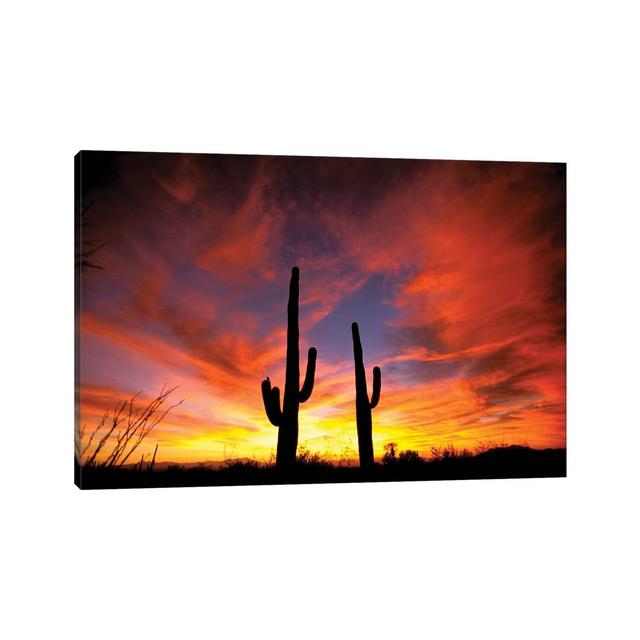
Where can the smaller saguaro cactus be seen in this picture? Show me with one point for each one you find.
(363, 403)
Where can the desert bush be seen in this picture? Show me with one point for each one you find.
(121, 431)
(236, 464)
(307, 458)
(449, 452)
(410, 457)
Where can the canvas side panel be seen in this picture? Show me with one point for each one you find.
(77, 470)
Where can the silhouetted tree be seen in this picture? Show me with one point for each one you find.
(94, 171)
(85, 250)
(287, 417)
(389, 456)
(363, 404)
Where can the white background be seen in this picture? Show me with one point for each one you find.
(551, 81)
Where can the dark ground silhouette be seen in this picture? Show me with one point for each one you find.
(499, 462)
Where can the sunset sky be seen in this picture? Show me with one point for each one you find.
(455, 272)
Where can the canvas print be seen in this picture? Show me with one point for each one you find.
(273, 319)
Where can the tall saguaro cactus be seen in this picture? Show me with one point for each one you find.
(363, 404)
(287, 417)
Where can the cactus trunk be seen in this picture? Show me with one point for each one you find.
(363, 404)
(287, 418)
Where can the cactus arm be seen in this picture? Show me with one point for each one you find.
(271, 399)
(307, 387)
(377, 381)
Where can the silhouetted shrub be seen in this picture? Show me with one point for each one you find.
(240, 464)
(120, 432)
(306, 458)
(410, 457)
(449, 452)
